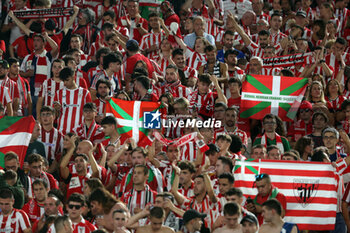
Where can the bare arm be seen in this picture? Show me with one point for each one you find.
(93, 163)
(15, 105)
(209, 188)
(221, 96)
(52, 43)
(181, 43)
(23, 27)
(135, 218)
(9, 110)
(175, 188)
(65, 160)
(246, 39)
(187, 5)
(71, 20)
(103, 160)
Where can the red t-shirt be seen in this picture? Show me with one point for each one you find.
(20, 46)
(131, 61)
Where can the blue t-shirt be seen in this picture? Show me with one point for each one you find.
(221, 55)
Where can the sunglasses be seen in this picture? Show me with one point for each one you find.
(77, 207)
(260, 177)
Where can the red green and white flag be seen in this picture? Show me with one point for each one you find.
(310, 189)
(279, 95)
(130, 118)
(15, 134)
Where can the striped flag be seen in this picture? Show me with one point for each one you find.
(15, 134)
(278, 95)
(310, 189)
(130, 118)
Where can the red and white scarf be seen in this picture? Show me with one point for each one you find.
(279, 143)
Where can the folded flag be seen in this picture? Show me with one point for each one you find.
(15, 134)
(281, 96)
(310, 189)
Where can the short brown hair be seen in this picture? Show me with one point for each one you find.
(11, 155)
(34, 158)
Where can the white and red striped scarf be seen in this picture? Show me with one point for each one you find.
(139, 199)
(94, 133)
(279, 143)
(12, 87)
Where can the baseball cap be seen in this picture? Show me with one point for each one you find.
(305, 105)
(192, 214)
(250, 218)
(132, 45)
(4, 64)
(301, 13)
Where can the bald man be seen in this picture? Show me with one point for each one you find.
(77, 173)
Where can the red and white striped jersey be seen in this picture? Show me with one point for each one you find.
(190, 72)
(332, 61)
(168, 173)
(100, 9)
(138, 199)
(151, 39)
(237, 73)
(206, 206)
(81, 79)
(53, 142)
(219, 8)
(211, 27)
(237, 132)
(24, 90)
(5, 97)
(187, 192)
(203, 103)
(189, 152)
(195, 59)
(101, 106)
(50, 180)
(342, 15)
(84, 58)
(263, 16)
(48, 90)
(72, 102)
(93, 133)
(34, 210)
(11, 86)
(92, 71)
(177, 91)
(204, 12)
(276, 38)
(336, 103)
(16, 222)
(310, 14)
(163, 63)
(41, 64)
(83, 226)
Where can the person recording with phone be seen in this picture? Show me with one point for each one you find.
(266, 191)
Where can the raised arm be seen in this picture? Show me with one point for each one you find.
(93, 163)
(181, 43)
(221, 96)
(175, 187)
(65, 160)
(209, 188)
(246, 39)
(52, 43)
(71, 20)
(24, 28)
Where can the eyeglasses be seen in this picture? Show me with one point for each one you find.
(304, 110)
(77, 207)
(260, 177)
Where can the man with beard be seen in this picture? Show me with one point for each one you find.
(193, 221)
(103, 88)
(11, 86)
(76, 173)
(186, 74)
(230, 58)
(18, 218)
(25, 100)
(230, 127)
(270, 137)
(173, 84)
(272, 212)
(255, 65)
(141, 194)
(204, 199)
(228, 40)
(185, 178)
(35, 207)
(213, 66)
(142, 85)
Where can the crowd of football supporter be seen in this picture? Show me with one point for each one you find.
(81, 174)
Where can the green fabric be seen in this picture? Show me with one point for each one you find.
(274, 194)
(285, 143)
(17, 190)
